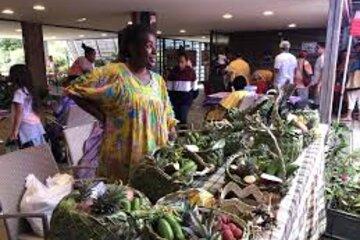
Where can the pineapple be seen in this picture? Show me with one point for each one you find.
(109, 203)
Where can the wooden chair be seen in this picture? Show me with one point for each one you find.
(14, 168)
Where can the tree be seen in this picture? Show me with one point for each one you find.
(9, 44)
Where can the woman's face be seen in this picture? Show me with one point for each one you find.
(145, 53)
(182, 62)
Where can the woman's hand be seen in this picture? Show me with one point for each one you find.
(172, 134)
(14, 135)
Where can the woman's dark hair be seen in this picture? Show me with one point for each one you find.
(20, 76)
(87, 49)
(133, 35)
(183, 54)
(239, 83)
(321, 44)
(303, 54)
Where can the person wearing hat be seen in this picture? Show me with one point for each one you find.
(236, 68)
(285, 66)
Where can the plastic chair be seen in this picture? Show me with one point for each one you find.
(75, 138)
(77, 117)
(14, 168)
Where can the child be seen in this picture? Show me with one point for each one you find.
(26, 125)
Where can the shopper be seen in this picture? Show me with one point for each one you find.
(237, 67)
(285, 66)
(232, 100)
(318, 71)
(303, 76)
(353, 85)
(263, 80)
(181, 86)
(26, 124)
(83, 64)
(134, 102)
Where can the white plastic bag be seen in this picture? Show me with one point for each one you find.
(40, 198)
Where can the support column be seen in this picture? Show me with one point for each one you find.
(331, 56)
(144, 18)
(34, 54)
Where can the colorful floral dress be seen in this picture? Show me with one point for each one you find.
(138, 116)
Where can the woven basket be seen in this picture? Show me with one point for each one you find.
(176, 199)
(235, 178)
(153, 181)
(70, 222)
(234, 205)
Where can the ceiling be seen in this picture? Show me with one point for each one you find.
(11, 29)
(198, 17)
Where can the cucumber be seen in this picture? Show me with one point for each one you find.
(164, 230)
(135, 204)
(175, 226)
(126, 205)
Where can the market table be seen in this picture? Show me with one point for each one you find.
(301, 213)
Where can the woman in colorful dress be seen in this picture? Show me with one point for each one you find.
(131, 100)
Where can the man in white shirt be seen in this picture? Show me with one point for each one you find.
(285, 66)
(318, 70)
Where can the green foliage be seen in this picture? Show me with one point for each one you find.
(11, 52)
(342, 171)
(9, 44)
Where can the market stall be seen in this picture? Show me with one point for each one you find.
(301, 213)
(258, 174)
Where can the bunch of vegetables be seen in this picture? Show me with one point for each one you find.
(208, 145)
(195, 224)
(115, 198)
(174, 162)
(99, 211)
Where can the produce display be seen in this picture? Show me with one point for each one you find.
(197, 223)
(99, 211)
(255, 150)
(342, 172)
(168, 170)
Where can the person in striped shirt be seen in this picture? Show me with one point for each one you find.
(181, 85)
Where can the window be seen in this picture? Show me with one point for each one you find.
(11, 46)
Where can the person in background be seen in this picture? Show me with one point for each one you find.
(237, 67)
(263, 80)
(181, 86)
(353, 85)
(231, 101)
(303, 76)
(83, 64)
(318, 71)
(284, 66)
(131, 100)
(50, 65)
(26, 124)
